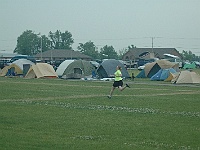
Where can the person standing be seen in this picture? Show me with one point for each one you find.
(118, 82)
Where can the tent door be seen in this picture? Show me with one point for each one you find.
(78, 71)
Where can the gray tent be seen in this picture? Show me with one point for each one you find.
(78, 69)
(108, 68)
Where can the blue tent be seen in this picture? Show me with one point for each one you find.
(162, 74)
(141, 74)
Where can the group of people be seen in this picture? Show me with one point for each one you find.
(118, 83)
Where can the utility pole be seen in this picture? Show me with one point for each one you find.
(152, 44)
(41, 49)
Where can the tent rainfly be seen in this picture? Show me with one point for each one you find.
(41, 70)
(16, 68)
(75, 69)
(61, 68)
(108, 68)
(152, 68)
(186, 77)
(162, 74)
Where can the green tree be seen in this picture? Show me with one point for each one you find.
(89, 49)
(187, 55)
(61, 40)
(108, 52)
(28, 43)
(45, 43)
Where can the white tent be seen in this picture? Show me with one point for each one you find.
(21, 62)
(61, 68)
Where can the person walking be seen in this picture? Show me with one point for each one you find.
(118, 82)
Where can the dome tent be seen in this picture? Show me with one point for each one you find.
(162, 74)
(78, 69)
(186, 77)
(41, 70)
(16, 68)
(108, 68)
(152, 68)
(61, 68)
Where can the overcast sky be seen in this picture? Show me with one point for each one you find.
(120, 23)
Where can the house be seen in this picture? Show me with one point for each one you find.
(148, 53)
(61, 55)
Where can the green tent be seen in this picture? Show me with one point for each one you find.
(189, 66)
(78, 69)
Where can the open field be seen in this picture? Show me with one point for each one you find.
(64, 114)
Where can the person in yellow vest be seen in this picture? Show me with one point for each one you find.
(118, 82)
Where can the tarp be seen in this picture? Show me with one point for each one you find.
(108, 67)
(41, 70)
(162, 74)
(152, 68)
(186, 77)
(78, 69)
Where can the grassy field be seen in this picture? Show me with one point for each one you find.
(64, 114)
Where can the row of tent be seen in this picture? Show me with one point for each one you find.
(163, 70)
(67, 69)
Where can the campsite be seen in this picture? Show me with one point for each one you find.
(52, 113)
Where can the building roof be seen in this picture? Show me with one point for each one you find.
(7, 55)
(135, 52)
(62, 53)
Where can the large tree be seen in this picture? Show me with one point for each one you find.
(188, 55)
(29, 43)
(61, 40)
(108, 52)
(89, 49)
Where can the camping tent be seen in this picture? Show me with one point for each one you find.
(108, 68)
(171, 76)
(152, 68)
(77, 69)
(163, 74)
(11, 70)
(186, 77)
(141, 74)
(20, 63)
(16, 68)
(61, 68)
(189, 66)
(41, 70)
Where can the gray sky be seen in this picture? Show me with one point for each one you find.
(120, 23)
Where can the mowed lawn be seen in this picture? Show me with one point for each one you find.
(64, 114)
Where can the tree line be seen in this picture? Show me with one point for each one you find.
(30, 43)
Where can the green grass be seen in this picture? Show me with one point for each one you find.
(64, 114)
